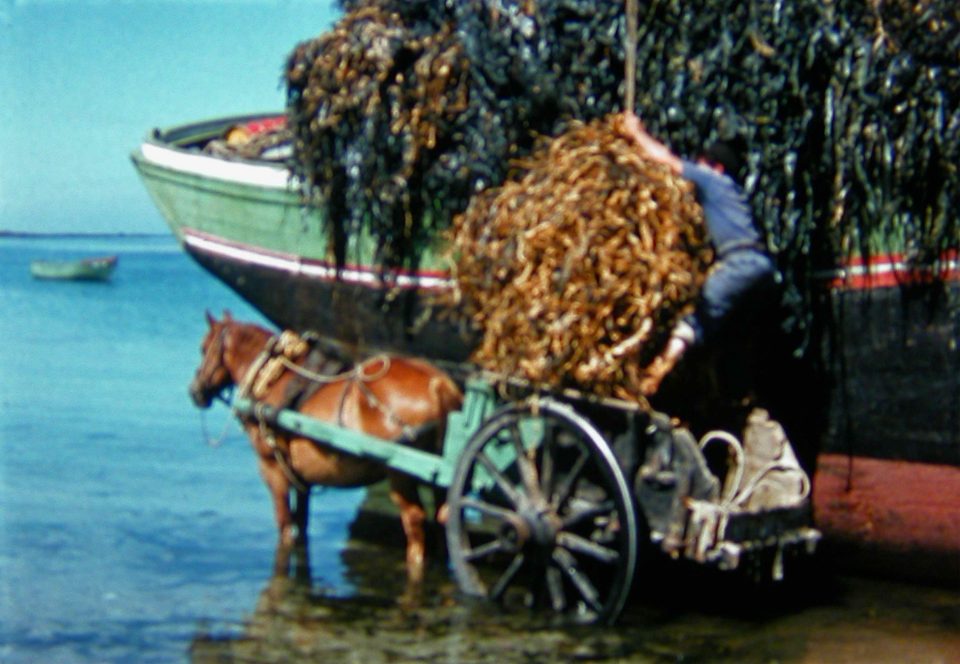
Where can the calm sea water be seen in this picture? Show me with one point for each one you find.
(122, 533)
(125, 537)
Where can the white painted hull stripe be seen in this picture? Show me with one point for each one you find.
(199, 164)
(311, 269)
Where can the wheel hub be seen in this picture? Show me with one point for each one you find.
(531, 528)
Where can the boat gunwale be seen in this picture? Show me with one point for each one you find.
(173, 149)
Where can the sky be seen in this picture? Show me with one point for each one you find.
(83, 81)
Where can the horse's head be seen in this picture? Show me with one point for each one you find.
(213, 375)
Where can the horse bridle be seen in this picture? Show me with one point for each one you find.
(221, 359)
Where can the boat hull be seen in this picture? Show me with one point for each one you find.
(889, 517)
(244, 222)
(891, 401)
(90, 269)
(887, 482)
(360, 318)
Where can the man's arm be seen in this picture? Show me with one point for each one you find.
(632, 129)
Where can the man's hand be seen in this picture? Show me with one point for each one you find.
(681, 337)
(630, 127)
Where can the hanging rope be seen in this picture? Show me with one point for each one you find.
(204, 431)
(630, 61)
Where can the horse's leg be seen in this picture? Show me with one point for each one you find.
(300, 554)
(301, 514)
(281, 561)
(404, 494)
(300, 501)
(279, 487)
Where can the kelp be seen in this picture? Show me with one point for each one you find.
(850, 110)
(576, 271)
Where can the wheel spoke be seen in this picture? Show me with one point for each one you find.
(528, 473)
(605, 508)
(489, 509)
(582, 545)
(500, 587)
(505, 486)
(490, 548)
(547, 461)
(568, 565)
(566, 486)
(558, 599)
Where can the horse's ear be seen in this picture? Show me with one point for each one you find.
(210, 318)
(227, 315)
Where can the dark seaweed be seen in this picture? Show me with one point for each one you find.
(850, 110)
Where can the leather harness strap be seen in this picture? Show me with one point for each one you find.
(273, 362)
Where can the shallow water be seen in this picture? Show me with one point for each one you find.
(121, 530)
(677, 615)
(124, 536)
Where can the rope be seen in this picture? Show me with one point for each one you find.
(630, 61)
(739, 495)
(737, 449)
(312, 375)
(266, 432)
(254, 370)
(408, 431)
(204, 432)
(748, 490)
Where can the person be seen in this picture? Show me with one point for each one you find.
(742, 266)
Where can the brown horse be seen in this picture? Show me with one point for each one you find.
(387, 396)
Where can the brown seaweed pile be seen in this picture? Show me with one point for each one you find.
(577, 269)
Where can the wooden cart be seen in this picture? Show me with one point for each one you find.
(553, 496)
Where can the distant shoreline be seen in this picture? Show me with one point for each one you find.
(52, 234)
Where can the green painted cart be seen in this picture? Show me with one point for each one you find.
(553, 497)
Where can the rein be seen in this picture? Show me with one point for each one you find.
(219, 440)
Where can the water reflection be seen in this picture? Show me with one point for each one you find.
(680, 613)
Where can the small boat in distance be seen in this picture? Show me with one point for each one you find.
(84, 269)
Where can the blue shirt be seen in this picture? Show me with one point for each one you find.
(725, 209)
(743, 267)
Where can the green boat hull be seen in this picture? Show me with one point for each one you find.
(244, 222)
(89, 269)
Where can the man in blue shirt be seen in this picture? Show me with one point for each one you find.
(742, 267)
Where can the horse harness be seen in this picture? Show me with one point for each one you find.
(312, 369)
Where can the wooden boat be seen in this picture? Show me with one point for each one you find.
(888, 469)
(85, 269)
(243, 221)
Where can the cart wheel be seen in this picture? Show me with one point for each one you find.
(541, 516)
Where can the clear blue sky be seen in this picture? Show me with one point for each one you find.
(82, 81)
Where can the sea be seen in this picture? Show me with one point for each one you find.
(135, 528)
(129, 520)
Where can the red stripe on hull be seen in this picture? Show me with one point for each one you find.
(891, 513)
(888, 270)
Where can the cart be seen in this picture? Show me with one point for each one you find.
(553, 495)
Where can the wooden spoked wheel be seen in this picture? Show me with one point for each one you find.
(540, 515)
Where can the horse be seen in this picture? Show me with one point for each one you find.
(390, 397)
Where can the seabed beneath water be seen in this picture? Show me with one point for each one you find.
(678, 614)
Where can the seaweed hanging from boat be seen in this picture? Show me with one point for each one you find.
(850, 109)
(370, 102)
